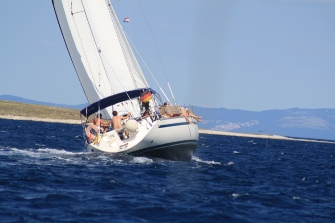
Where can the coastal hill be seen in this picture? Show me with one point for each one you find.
(33, 102)
(35, 111)
(295, 122)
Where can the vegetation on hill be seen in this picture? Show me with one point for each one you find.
(38, 111)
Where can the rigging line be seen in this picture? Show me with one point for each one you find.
(68, 47)
(96, 45)
(157, 50)
(132, 105)
(118, 30)
(129, 23)
(148, 68)
(115, 2)
(81, 41)
(116, 77)
(123, 43)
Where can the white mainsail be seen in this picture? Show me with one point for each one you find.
(100, 52)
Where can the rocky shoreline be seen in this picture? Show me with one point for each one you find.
(202, 131)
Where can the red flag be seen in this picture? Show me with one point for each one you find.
(126, 19)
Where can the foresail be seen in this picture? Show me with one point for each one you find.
(102, 57)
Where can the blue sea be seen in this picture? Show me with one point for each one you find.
(46, 175)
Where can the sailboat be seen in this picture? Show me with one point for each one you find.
(112, 80)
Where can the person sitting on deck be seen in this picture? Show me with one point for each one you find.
(117, 125)
(183, 112)
(91, 131)
(103, 125)
(165, 114)
(189, 113)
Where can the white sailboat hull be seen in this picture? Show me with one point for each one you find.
(171, 139)
(114, 82)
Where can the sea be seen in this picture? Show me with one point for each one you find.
(46, 175)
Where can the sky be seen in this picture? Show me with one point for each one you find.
(236, 54)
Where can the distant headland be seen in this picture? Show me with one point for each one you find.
(42, 113)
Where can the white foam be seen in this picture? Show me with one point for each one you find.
(61, 158)
(38, 153)
(57, 151)
(236, 152)
(48, 156)
(142, 160)
(25, 152)
(230, 164)
(296, 198)
(203, 161)
(234, 195)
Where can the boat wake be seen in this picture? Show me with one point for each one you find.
(53, 156)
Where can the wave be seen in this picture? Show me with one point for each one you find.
(59, 151)
(54, 156)
(142, 160)
(235, 195)
(197, 159)
(230, 163)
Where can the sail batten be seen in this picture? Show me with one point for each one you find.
(100, 52)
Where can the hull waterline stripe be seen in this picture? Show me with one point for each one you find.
(164, 146)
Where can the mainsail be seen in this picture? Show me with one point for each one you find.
(100, 52)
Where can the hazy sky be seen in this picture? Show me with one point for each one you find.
(251, 54)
